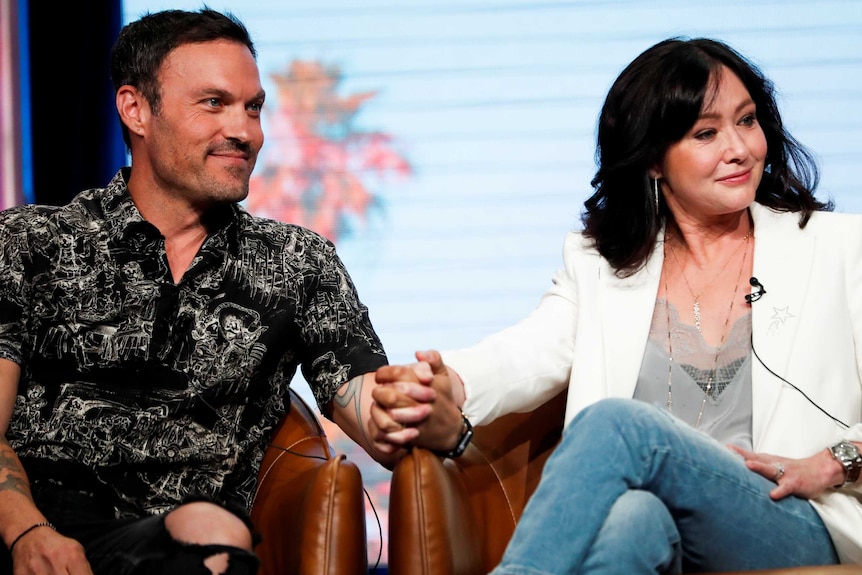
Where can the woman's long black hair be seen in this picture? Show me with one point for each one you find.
(652, 104)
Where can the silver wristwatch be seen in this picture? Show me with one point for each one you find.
(847, 454)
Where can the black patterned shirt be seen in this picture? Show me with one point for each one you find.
(163, 389)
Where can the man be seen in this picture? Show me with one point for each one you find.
(149, 330)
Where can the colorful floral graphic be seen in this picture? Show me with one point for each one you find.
(317, 164)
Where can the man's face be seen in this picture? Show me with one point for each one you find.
(204, 140)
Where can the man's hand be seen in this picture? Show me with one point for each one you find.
(45, 551)
(415, 405)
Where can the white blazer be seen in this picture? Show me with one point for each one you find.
(589, 332)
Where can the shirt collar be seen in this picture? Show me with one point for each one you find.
(122, 217)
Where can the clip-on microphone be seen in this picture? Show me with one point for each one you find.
(756, 294)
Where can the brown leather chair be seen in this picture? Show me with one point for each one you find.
(309, 507)
(455, 517)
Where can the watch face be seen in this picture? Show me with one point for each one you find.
(842, 451)
(848, 455)
(846, 451)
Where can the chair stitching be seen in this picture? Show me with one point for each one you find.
(422, 521)
(329, 511)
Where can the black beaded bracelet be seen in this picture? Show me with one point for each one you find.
(463, 439)
(28, 530)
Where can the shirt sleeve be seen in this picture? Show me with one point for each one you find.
(340, 341)
(14, 284)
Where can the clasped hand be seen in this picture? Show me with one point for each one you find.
(414, 405)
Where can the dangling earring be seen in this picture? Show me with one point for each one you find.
(655, 192)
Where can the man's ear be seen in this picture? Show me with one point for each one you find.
(133, 109)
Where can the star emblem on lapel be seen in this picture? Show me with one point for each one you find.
(780, 315)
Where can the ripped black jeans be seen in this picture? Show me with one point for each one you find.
(145, 547)
(129, 546)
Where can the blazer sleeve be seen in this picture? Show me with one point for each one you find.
(521, 367)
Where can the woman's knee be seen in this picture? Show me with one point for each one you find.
(640, 512)
(205, 523)
(642, 517)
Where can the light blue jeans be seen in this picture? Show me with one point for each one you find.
(632, 490)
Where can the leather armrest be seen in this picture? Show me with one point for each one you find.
(455, 517)
(309, 507)
(433, 529)
(313, 523)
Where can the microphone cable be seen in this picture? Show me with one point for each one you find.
(811, 401)
(750, 299)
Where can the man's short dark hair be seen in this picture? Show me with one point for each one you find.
(143, 45)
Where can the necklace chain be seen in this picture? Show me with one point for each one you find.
(695, 306)
(711, 379)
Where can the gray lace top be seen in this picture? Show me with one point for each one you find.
(726, 412)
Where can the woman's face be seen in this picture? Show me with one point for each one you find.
(715, 169)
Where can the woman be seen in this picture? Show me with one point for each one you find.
(710, 426)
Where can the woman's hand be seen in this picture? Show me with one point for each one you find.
(415, 405)
(807, 478)
(402, 399)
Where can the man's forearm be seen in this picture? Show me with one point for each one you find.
(17, 509)
(352, 412)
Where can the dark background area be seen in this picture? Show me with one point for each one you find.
(76, 139)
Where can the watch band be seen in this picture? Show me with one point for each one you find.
(463, 439)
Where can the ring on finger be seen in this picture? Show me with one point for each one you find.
(779, 471)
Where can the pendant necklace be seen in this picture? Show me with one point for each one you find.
(695, 307)
(711, 379)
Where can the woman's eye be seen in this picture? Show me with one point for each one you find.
(748, 120)
(704, 134)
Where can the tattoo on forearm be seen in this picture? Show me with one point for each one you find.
(12, 476)
(353, 392)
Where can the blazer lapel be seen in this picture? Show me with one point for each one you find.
(774, 317)
(627, 308)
